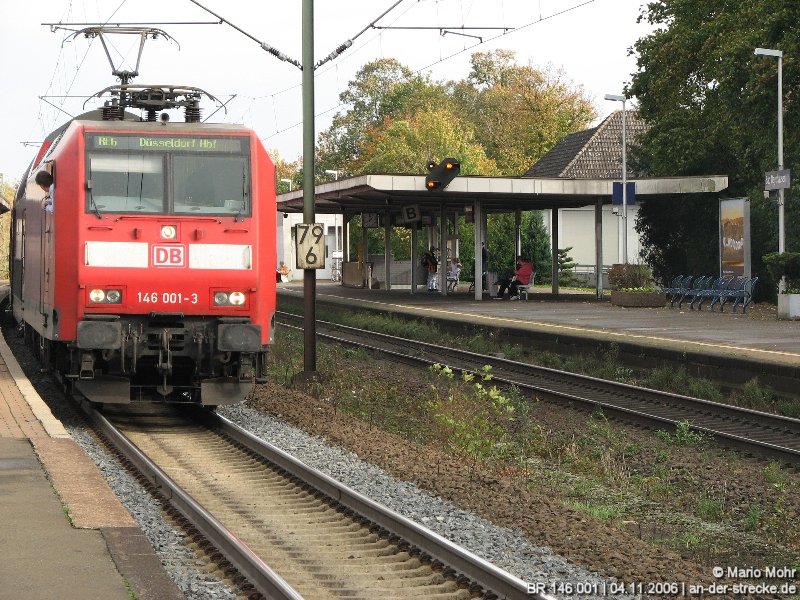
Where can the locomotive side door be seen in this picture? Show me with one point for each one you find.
(45, 298)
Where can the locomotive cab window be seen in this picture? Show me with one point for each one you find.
(163, 174)
(128, 183)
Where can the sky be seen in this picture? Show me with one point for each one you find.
(49, 74)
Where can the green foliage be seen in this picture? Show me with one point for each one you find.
(405, 145)
(475, 419)
(786, 264)
(753, 516)
(680, 382)
(629, 276)
(602, 512)
(566, 266)
(684, 436)
(519, 112)
(711, 107)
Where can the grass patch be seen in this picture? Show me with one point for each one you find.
(602, 512)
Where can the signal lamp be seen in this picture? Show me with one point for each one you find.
(442, 174)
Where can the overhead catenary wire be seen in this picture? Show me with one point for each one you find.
(349, 42)
(274, 51)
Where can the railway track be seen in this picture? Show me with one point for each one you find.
(745, 429)
(290, 530)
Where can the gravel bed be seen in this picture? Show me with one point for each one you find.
(504, 547)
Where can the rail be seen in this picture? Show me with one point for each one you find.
(743, 428)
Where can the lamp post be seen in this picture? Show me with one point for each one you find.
(289, 182)
(779, 55)
(618, 98)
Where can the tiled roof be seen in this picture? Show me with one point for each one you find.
(593, 153)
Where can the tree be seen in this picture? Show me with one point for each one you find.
(293, 171)
(382, 91)
(519, 112)
(711, 106)
(406, 145)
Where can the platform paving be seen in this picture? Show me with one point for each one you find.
(63, 533)
(756, 336)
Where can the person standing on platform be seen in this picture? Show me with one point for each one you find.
(431, 265)
(485, 265)
(522, 276)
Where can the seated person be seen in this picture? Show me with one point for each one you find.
(522, 276)
(453, 273)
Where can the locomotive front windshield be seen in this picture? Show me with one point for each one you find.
(180, 175)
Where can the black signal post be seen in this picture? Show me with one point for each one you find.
(441, 174)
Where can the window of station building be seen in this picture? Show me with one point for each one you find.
(184, 175)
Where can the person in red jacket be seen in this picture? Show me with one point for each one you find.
(522, 276)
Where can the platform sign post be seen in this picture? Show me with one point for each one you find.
(734, 237)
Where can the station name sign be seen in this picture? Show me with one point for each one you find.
(778, 180)
(167, 143)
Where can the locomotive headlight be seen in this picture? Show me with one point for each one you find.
(230, 298)
(113, 296)
(101, 296)
(236, 298)
(220, 298)
(168, 232)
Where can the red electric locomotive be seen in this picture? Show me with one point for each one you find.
(146, 272)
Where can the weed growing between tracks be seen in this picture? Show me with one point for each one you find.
(495, 449)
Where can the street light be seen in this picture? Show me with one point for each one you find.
(289, 181)
(618, 98)
(779, 55)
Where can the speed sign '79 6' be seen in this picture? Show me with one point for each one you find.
(310, 239)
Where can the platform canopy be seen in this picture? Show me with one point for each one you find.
(378, 193)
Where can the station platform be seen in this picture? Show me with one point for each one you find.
(755, 339)
(63, 532)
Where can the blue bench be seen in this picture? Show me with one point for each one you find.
(700, 283)
(742, 295)
(676, 287)
(720, 290)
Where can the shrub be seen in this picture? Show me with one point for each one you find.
(786, 264)
(629, 276)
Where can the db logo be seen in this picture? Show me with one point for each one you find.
(168, 256)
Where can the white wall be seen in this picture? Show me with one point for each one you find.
(576, 229)
(285, 241)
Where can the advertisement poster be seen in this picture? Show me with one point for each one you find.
(734, 235)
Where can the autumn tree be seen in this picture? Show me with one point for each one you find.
(519, 112)
(381, 92)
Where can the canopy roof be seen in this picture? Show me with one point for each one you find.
(377, 193)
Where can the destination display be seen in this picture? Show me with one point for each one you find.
(229, 145)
